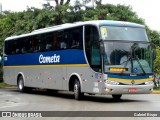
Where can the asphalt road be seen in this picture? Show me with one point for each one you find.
(13, 100)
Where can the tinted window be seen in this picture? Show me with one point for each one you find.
(92, 48)
(58, 40)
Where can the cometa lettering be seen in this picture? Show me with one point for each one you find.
(49, 59)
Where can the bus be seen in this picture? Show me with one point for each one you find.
(92, 57)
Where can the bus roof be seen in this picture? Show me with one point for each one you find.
(76, 24)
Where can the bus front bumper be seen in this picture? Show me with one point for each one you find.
(127, 89)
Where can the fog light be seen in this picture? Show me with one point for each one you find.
(107, 89)
(112, 82)
(149, 83)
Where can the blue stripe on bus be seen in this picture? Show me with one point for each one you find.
(66, 57)
(128, 77)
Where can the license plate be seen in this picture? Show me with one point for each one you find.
(132, 90)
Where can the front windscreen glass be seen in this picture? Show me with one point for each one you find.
(123, 33)
(124, 57)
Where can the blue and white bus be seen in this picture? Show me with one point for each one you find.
(95, 57)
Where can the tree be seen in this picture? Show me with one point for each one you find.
(154, 36)
(61, 2)
(15, 23)
(157, 61)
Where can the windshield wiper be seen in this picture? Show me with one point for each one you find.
(134, 47)
(137, 59)
(129, 58)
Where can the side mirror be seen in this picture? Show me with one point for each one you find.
(0, 60)
(102, 48)
(154, 52)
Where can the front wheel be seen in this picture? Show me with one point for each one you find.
(77, 90)
(117, 97)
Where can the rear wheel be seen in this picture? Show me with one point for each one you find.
(117, 97)
(21, 86)
(77, 90)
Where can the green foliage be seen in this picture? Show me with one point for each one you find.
(2, 84)
(154, 36)
(15, 23)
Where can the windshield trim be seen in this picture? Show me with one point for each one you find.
(127, 41)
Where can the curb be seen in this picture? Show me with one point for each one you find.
(9, 87)
(156, 92)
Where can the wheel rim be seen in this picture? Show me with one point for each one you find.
(20, 84)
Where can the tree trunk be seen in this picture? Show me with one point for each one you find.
(56, 2)
(61, 3)
(68, 1)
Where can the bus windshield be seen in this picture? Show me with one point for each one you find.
(128, 57)
(123, 33)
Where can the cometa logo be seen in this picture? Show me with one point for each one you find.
(49, 59)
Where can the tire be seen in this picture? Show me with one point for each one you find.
(117, 97)
(77, 90)
(21, 86)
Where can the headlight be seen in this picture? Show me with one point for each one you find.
(112, 82)
(149, 83)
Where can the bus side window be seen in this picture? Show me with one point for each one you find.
(41, 43)
(55, 43)
(76, 38)
(62, 39)
(17, 45)
(26, 45)
(13, 50)
(49, 42)
(35, 44)
(7, 50)
(92, 48)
